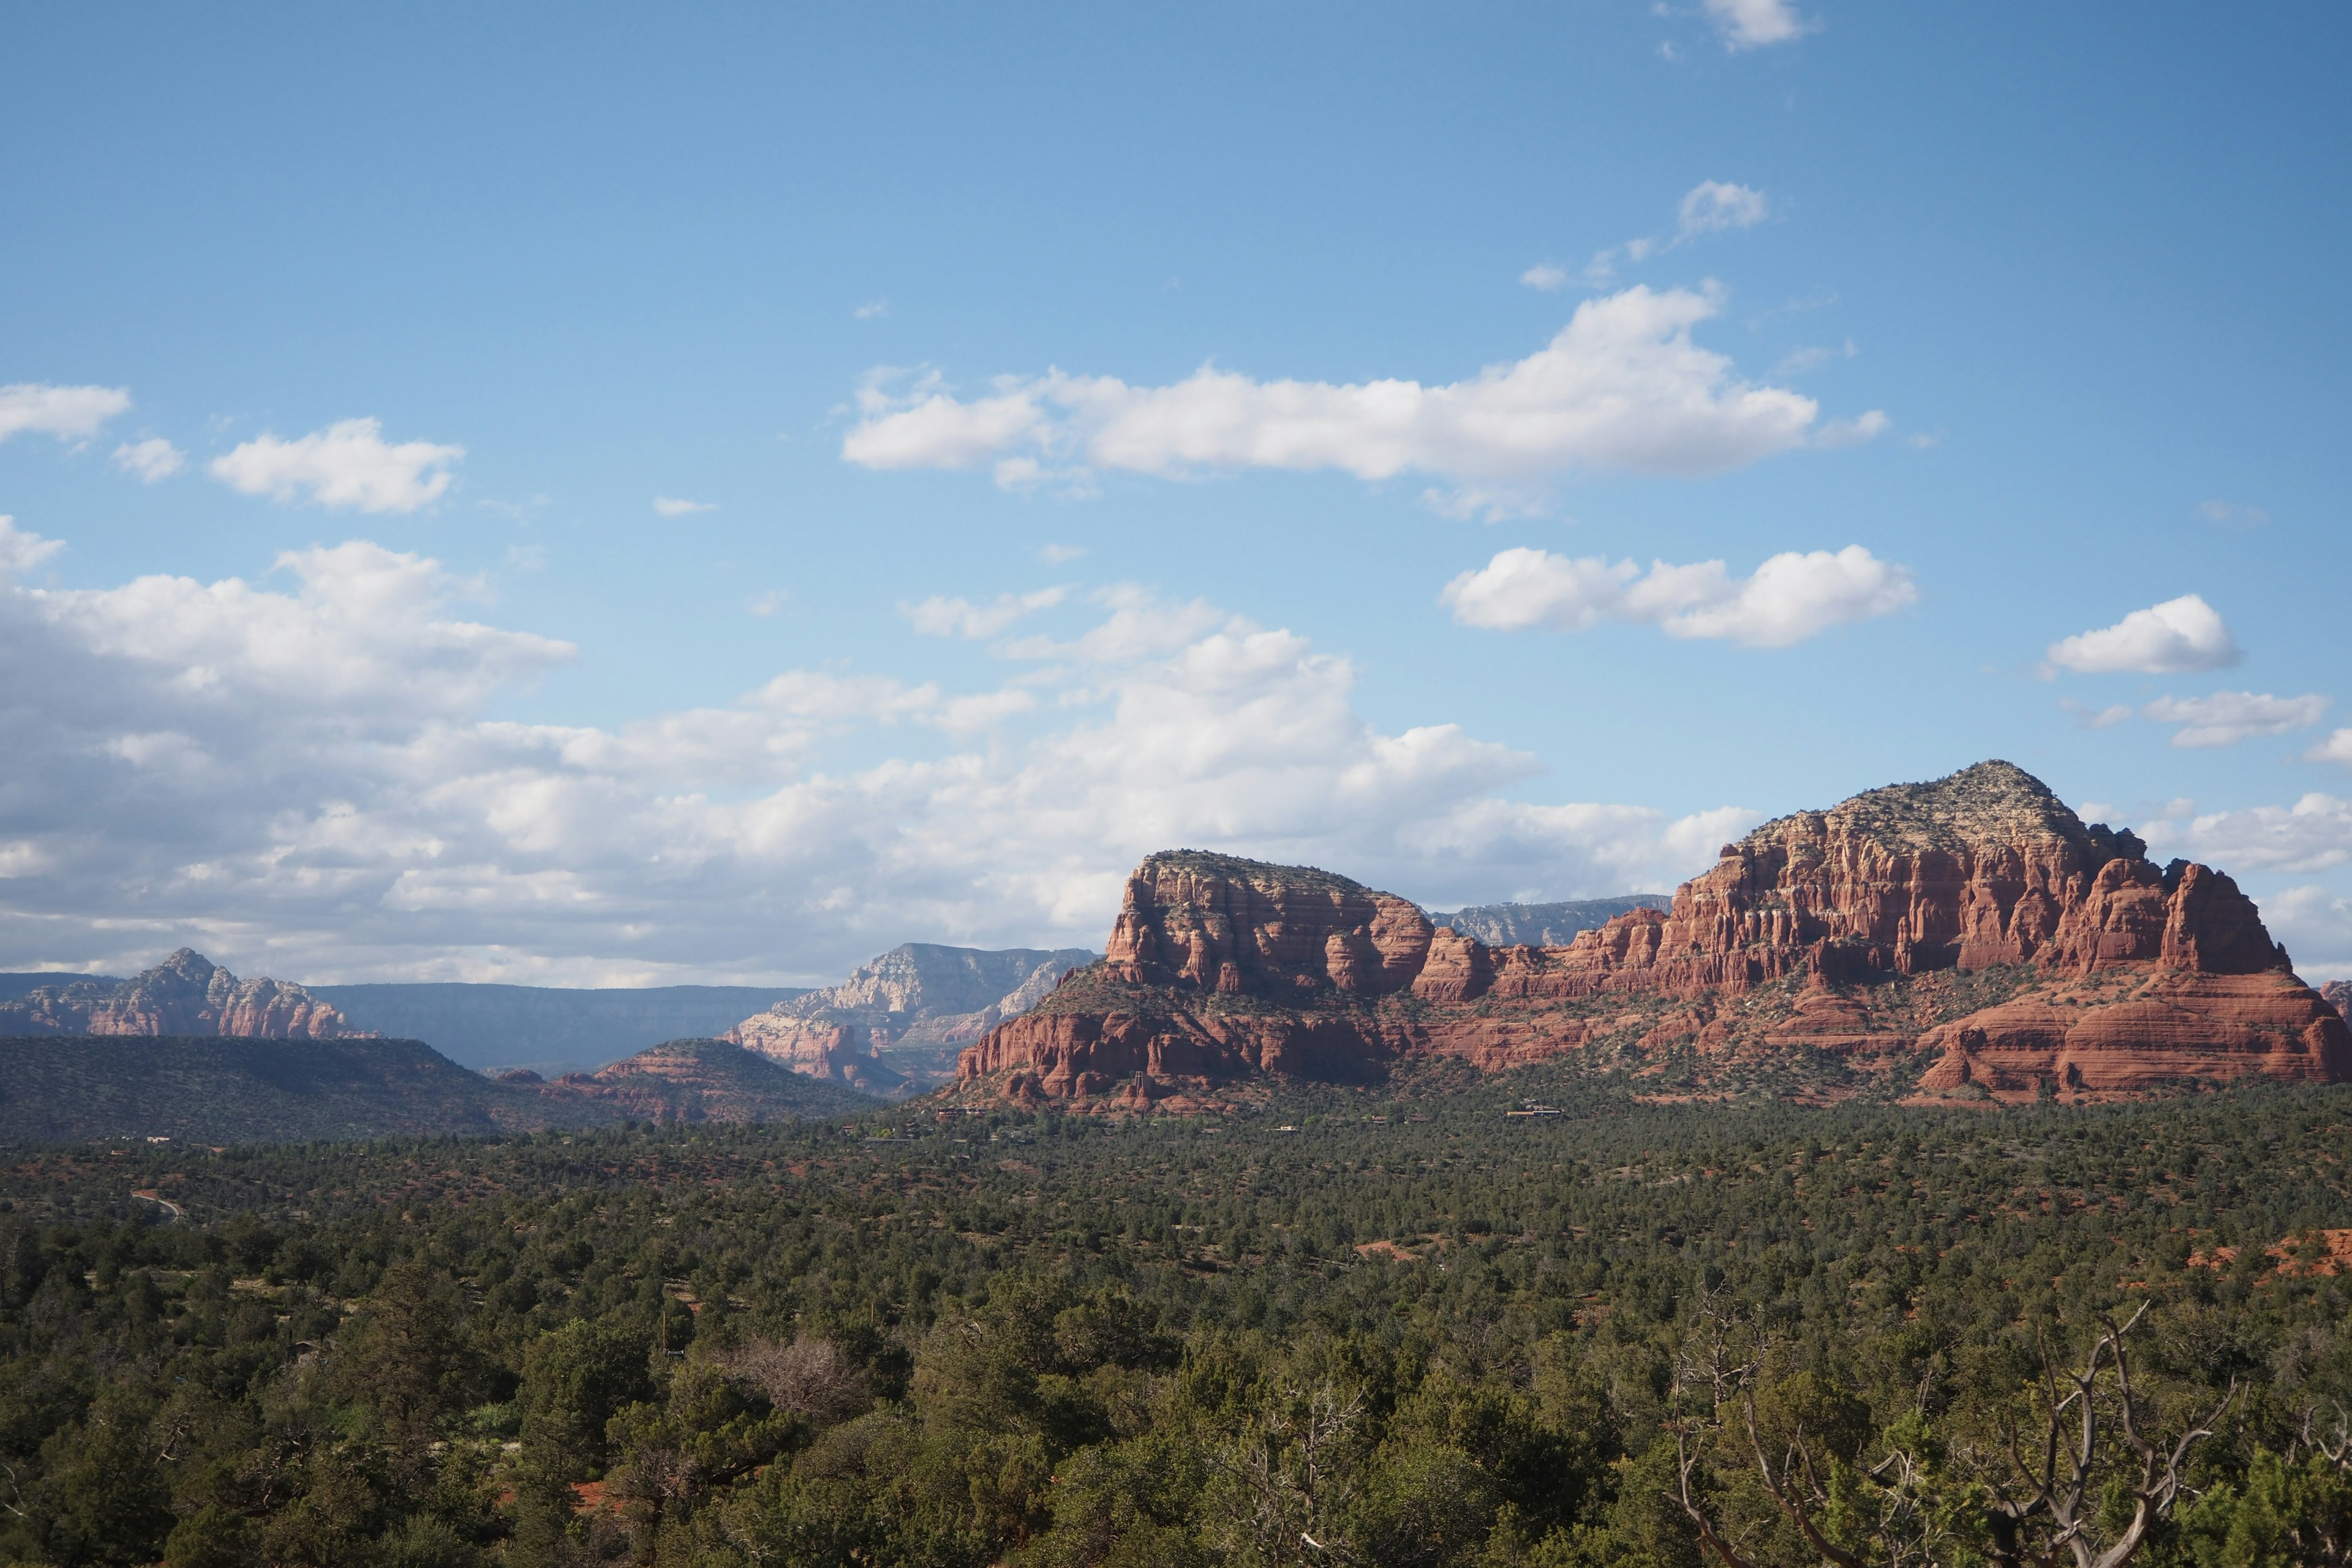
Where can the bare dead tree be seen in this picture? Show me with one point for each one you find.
(2043, 1514)
(2053, 1490)
(1288, 1467)
(809, 1377)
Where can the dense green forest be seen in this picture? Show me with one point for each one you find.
(1392, 1327)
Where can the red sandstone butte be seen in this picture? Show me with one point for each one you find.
(1976, 920)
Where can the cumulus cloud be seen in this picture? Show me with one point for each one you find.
(2226, 718)
(69, 412)
(2337, 748)
(308, 777)
(151, 460)
(940, 617)
(1790, 597)
(670, 506)
(21, 551)
(1544, 276)
(1621, 387)
(2175, 638)
(1752, 24)
(347, 465)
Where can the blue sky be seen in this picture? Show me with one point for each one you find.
(1300, 431)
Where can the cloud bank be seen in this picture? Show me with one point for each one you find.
(1789, 598)
(1621, 387)
(308, 777)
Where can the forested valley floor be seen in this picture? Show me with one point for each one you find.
(1393, 1327)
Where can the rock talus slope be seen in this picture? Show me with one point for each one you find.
(186, 994)
(1975, 924)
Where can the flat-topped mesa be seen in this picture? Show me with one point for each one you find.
(1984, 867)
(1218, 922)
(186, 994)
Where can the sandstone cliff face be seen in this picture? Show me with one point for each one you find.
(1241, 926)
(896, 1022)
(1862, 931)
(185, 994)
(2338, 993)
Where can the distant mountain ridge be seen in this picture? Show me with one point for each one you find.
(220, 1089)
(186, 994)
(552, 1029)
(897, 1024)
(24, 982)
(1543, 925)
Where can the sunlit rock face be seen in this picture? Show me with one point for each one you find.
(1976, 919)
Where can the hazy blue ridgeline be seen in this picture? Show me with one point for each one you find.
(544, 1026)
(1543, 925)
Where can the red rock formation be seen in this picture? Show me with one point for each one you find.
(185, 994)
(1846, 931)
(2338, 993)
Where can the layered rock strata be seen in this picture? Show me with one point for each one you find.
(1974, 923)
(186, 994)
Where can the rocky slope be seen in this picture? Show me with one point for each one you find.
(1974, 927)
(897, 1024)
(1543, 925)
(186, 994)
(2338, 993)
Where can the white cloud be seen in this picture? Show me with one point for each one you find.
(152, 461)
(1790, 598)
(2315, 834)
(1543, 275)
(20, 550)
(1713, 206)
(1060, 554)
(2090, 718)
(2226, 718)
(1621, 387)
(2234, 514)
(871, 309)
(2315, 926)
(2337, 748)
(311, 780)
(939, 617)
(69, 412)
(670, 506)
(1751, 24)
(2175, 638)
(348, 464)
